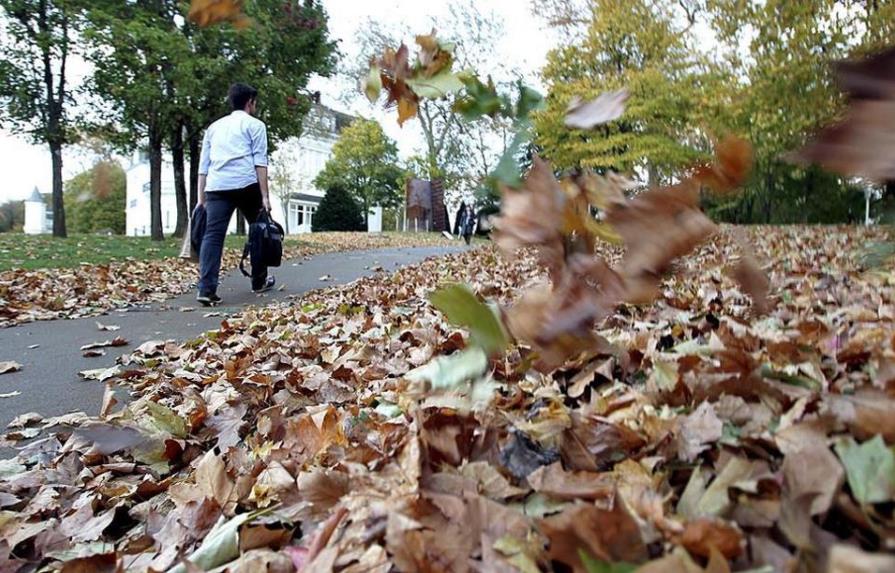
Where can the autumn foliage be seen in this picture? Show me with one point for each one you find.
(639, 391)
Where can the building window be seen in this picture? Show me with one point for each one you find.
(301, 215)
(295, 215)
(146, 188)
(133, 203)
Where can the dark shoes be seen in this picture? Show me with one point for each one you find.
(208, 299)
(268, 284)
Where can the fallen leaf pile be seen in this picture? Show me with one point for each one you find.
(90, 290)
(295, 437)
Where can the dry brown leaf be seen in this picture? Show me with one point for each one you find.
(9, 366)
(606, 107)
(697, 431)
(214, 482)
(754, 282)
(552, 480)
(703, 535)
(848, 559)
(611, 535)
(209, 12)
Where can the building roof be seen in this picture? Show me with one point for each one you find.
(306, 198)
(35, 197)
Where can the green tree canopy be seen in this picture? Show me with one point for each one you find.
(338, 211)
(365, 163)
(97, 199)
(160, 78)
(37, 41)
(460, 153)
(12, 216)
(642, 46)
(766, 75)
(785, 91)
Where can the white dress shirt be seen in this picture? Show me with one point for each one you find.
(233, 146)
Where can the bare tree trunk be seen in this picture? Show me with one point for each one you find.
(55, 100)
(58, 202)
(653, 174)
(240, 223)
(179, 181)
(195, 149)
(284, 207)
(155, 183)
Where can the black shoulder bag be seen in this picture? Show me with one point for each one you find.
(264, 247)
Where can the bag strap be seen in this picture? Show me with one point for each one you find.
(245, 255)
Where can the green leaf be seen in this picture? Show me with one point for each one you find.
(439, 85)
(529, 100)
(221, 546)
(10, 467)
(664, 375)
(592, 565)
(82, 550)
(769, 371)
(166, 420)
(479, 100)
(388, 410)
(540, 505)
(508, 170)
(461, 307)
(870, 468)
(373, 84)
(449, 372)
(516, 552)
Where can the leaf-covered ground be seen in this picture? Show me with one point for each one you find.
(703, 438)
(75, 290)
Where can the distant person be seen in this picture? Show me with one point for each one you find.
(467, 223)
(458, 230)
(232, 175)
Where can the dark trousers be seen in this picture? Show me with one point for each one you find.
(219, 207)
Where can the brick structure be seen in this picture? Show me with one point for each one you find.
(439, 211)
(424, 208)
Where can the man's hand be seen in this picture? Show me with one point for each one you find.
(200, 199)
(261, 171)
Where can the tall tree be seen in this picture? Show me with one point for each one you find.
(782, 54)
(287, 43)
(97, 199)
(285, 179)
(37, 41)
(648, 48)
(136, 51)
(453, 150)
(365, 163)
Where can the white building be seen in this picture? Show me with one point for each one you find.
(293, 167)
(38, 217)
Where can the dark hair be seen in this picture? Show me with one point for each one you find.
(240, 95)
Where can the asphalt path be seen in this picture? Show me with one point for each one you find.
(50, 353)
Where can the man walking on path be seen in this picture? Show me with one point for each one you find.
(232, 175)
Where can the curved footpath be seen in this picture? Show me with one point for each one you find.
(50, 353)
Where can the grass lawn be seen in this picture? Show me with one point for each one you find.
(20, 251)
(43, 251)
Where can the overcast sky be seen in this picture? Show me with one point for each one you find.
(523, 47)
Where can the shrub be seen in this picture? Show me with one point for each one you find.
(338, 211)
